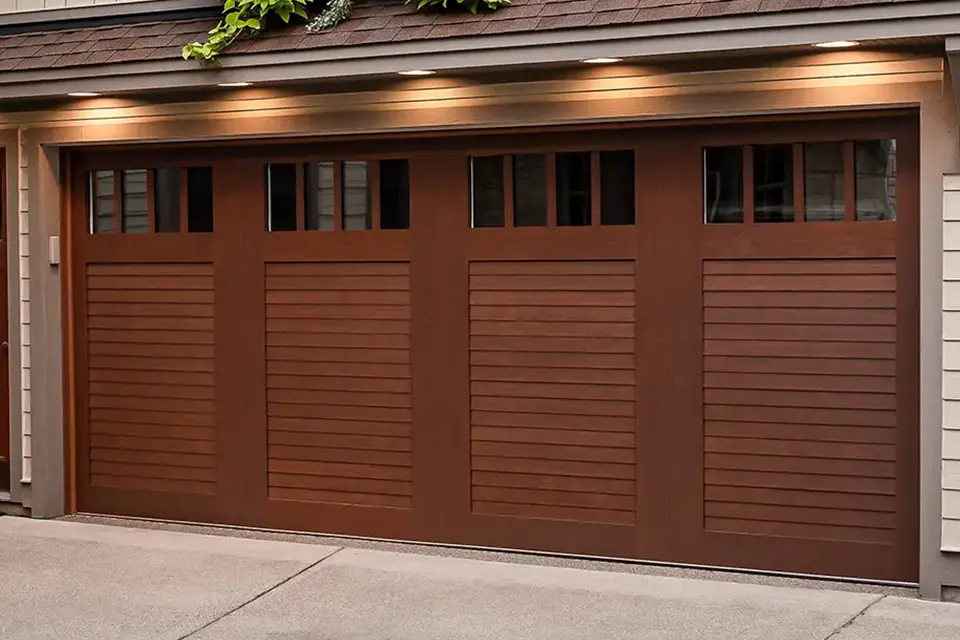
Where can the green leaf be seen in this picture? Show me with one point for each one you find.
(284, 13)
(229, 5)
(300, 11)
(253, 23)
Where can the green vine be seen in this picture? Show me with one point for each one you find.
(248, 17)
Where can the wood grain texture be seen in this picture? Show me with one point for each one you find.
(793, 447)
(338, 384)
(150, 379)
(553, 423)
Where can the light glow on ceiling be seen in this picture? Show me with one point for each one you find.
(837, 44)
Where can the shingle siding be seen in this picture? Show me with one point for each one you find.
(950, 509)
(24, 285)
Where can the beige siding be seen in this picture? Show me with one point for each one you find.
(13, 6)
(951, 364)
(24, 286)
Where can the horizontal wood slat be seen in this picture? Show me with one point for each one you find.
(800, 398)
(338, 383)
(553, 390)
(150, 377)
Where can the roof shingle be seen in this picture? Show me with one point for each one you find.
(372, 21)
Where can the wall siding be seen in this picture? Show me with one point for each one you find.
(14, 6)
(24, 287)
(950, 508)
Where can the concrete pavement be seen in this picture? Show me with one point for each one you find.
(69, 580)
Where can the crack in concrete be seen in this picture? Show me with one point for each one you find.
(262, 593)
(836, 632)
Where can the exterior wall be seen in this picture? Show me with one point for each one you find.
(14, 6)
(950, 539)
(825, 82)
(10, 146)
(22, 286)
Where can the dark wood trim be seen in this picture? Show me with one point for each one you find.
(508, 194)
(373, 187)
(118, 201)
(301, 197)
(338, 209)
(551, 182)
(596, 195)
(68, 205)
(748, 192)
(184, 201)
(849, 181)
(151, 202)
(799, 183)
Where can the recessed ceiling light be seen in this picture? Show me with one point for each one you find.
(234, 84)
(837, 44)
(601, 60)
(417, 72)
(83, 94)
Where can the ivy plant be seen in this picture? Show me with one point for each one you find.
(249, 17)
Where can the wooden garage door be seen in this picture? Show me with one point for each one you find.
(693, 345)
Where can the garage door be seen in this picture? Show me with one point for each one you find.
(694, 345)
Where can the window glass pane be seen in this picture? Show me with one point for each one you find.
(573, 189)
(102, 202)
(319, 196)
(617, 195)
(394, 194)
(166, 199)
(200, 199)
(876, 162)
(282, 197)
(773, 183)
(487, 196)
(723, 185)
(134, 201)
(356, 196)
(530, 190)
(823, 179)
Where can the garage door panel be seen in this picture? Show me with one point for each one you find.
(151, 350)
(146, 377)
(626, 424)
(828, 267)
(334, 340)
(806, 317)
(337, 383)
(149, 296)
(162, 390)
(345, 395)
(138, 323)
(119, 311)
(552, 314)
(152, 430)
(151, 337)
(537, 408)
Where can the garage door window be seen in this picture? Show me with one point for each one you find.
(574, 189)
(151, 200)
(338, 196)
(828, 181)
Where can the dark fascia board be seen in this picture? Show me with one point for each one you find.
(106, 14)
(747, 33)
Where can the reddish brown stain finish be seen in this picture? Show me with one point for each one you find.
(4, 348)
(741, 395)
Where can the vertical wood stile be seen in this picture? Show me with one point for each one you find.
(151, 202)
(551, 189)
(338, 196)
(595, 186)
(373, 193)
(799, 184)
(748, 199)
(184, 201)
(508, 195)
(301, 197)
(118, 201)
(849, 181)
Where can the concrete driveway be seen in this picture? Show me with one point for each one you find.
(69, 580)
